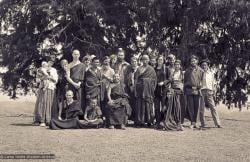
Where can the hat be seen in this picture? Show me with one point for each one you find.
(193, 57)
(87, 57)
(92, 56)
(177, 61)
(205, 60)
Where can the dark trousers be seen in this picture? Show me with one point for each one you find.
(144, 111)
(184, 110)
(132, 103)
(193, 105)
(158, 104)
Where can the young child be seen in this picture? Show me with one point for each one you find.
(42, 73)
(93, 114)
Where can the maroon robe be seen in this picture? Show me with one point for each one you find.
(119, 110)
(93, 85)
(145, 84)
(77, 74)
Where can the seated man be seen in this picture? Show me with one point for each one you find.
(72, 110)
(118, 108)
(93, 114)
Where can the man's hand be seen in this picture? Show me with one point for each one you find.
(59, 118)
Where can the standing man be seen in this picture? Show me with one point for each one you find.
(160, 97)
(153, 61)
(207, 91)
(75, 77)
(129, 81)
(145, 84)
(93, 81)
(193, 79)
(121, 64)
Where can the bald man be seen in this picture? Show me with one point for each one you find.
(72, 110)
(72, 107)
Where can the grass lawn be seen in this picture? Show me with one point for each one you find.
(231, 143)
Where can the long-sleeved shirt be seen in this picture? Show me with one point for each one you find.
(193, 80)
(108, 73)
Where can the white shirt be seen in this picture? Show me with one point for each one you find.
(209, 80)
(178, 79)
(54, 75)
(108, 73)
(177, 75)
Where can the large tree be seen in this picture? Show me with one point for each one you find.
(218, 30)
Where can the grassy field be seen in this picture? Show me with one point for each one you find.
(229, 144)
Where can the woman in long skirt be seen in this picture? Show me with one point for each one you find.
(173, 115)
(41, 80)
(49, 96)
(38, 107)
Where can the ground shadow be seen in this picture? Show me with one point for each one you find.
(23, 124)
(246, 121)
(132, 125)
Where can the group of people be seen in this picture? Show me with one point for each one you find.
(109, 92)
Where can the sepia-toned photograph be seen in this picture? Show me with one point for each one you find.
(125, 80)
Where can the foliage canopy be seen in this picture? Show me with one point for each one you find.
(218, 30)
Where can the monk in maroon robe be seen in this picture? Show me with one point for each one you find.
(93, 81)
(75, 77)
(145, 84)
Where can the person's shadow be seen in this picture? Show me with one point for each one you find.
(23, 124)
